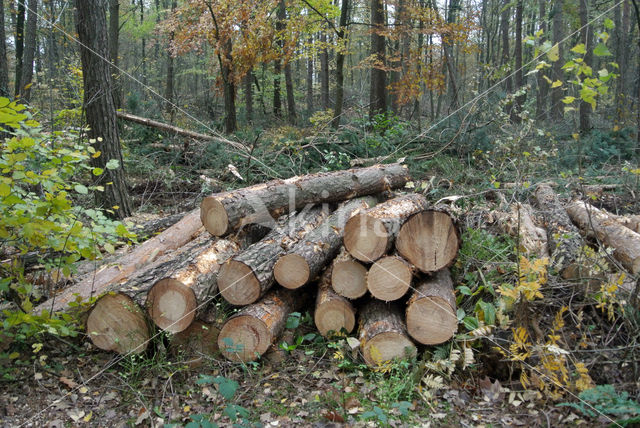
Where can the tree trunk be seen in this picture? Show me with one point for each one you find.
(249, 333)
(99, 107)
(332, 311)
(31, 34)
(383, 334)
(248, 95)
(143, 45)
(307, 258)
(277, 102)
(4, 67)
(429, 240)
(169, 90)
(563, 237)
(224, 212)
(431, 310)
(324, 71)
(378, 93)
(389, 278)
(340, 56)
(454, 6)
(348, 276)
(249, 275)
(557, 107)
(371, 234)
(519, 74)
(114, 43)
(116, 323)
(173, 301)
(19, 41)
(599, 224)
(98, 282)
(504, 32)
(310, 80)
(518, 223)
(229, 88)
(288, 80)
(542, 95)
(586, 37)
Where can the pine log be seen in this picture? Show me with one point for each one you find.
(519, 223)
(224, 212)
(98, 282)
(305, 260)
(173, 300)
(389, 278)
(599, 224)
(195, 344)
(333, 312)
(116, 323)
(629, 221)
(562, 236)
(382, 333)
(246, 277)
(248, 334)
(349, 276)
(371, 234)
(431, 310)
(429, 240)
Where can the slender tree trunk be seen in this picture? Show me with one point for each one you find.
(4, 68)
(310, 80)
(324, 71)
(288, 79)
(519, 75)
(114, 36)
(586, 38)
(277, 101)
(340, 56)
(378, 93)
(248, 94)
(143, 45)
(504, 32)
(98, 103)
(543, 86)
(637, 9)
(557, 109)
(169, 91)
(19, 38)
(454, 7)
(29, 51)
(229, 91)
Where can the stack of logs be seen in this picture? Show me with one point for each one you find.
(340, 237)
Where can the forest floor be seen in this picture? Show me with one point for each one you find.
(68, 382)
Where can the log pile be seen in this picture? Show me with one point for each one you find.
(375, 264)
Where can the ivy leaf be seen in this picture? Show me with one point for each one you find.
(81, 189)
(579, 49)
(601, 50)
(113, 164)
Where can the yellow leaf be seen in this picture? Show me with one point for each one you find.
(88, 417)
(556, 84)
(96, 154)
(575, 136)
(186, 409)
(554, 53)
(616, 128)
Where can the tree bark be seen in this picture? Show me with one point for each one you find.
(519, 223)
(248, 95)
(248, 334)
(389, 278)
(586, 37)
(557, 107)
(599, 224)
(19, 41)
(519, 73)
(324, 71)
(277, 102)
(4, 67)
(340, 56)
(383, 334)
(371, 234)
(378, 93)
(310, 80)
(29, 51)
(99, 107)
(431, 310)
(348, 276)
(170, 107)
(114, 44)
(288, 80)
(332, 311)
(116, 323)
(249, 275)
(504, 32)
(307, 258)
(542, 94)
(429, 240)
(224, 212)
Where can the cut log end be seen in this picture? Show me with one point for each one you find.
(385, 347)
(389, 278)
(214, 216)
(292, 271)
(244, 338)
(442, 323)
(117, 324)
(349, 279)
(171, 305)
(429, 240)
(238, 284)
(195, 343)
(365, 237)
(334, 315)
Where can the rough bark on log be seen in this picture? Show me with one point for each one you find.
(349, 276)
(382, 333)
(519, 223)
(562, 236)
(371, 234)
(116, 323)
(246, 277)
(389, 278)
(598, 223)
(224, 212)
(172, 301)
(195, 344)
(97, 283)
(248, 334)
(333, 312)
(431, 310)
(629, 221)
(429, 240)
(307, 258)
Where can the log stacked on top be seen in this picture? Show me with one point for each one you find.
(396, 251)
